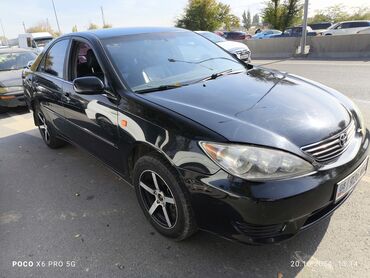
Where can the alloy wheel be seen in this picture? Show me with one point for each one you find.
(43, 127)
(158, 199)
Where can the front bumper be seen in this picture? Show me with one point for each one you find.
(12, 99)
(268, 212)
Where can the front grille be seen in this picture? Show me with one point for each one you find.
(243, 53)
(332, 147)
(259, 231)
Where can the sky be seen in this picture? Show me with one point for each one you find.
(118, 12)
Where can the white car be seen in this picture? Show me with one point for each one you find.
(347, 27)
(239, 49)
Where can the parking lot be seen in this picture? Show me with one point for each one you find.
(65, 206)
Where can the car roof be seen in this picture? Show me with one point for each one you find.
(323, 22)
(117, 32)
(348, 21)
(236, 32)
(14, 49)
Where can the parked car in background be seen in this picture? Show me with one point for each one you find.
(12, 62)
(239, 49)
(266, 34)
(236, 36)
(364, 31)
(207, 141)
(347, 27)
(34, 41)
(320, 27)
(295, 32)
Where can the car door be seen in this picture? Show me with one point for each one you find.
(48, 83)
(357, 26)
(343, 28)
(268, 34)
(92, 119)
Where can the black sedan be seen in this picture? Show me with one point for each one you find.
(12, 62)
(207, 141)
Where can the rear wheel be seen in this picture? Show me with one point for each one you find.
(163, 198)
(47, 132)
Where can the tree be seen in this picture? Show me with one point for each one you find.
(92, 26)
(272, 14)
(232, 21)
(107, 25)
(282, 15)
(207, 15)
(247, 21)
(361, 13)
(338, 13)
(3, 40)
(42, 26)
(74, 28)
(293, 10)
(256, 20)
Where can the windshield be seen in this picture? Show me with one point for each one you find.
(170, 58)
(42, 42)
(15, 60)
(212, 37)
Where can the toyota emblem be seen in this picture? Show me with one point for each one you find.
(343, 139)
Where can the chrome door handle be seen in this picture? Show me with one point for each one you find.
(67, 96)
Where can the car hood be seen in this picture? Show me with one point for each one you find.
(232, 46)
(260, 107)
(11, 78)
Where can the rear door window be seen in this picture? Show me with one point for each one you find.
(358, 24)
(54, 61)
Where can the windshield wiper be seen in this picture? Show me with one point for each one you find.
(218, 74)
(201, 61)
(160, 88)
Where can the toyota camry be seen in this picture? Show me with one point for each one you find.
(207, 141)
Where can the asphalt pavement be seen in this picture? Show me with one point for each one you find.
(64, 214)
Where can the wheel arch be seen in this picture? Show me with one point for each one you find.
(141, 149)
(33, 105)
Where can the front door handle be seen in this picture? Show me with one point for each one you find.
(67, 96)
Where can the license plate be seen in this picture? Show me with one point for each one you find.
(347, 184)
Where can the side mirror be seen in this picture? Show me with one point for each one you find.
(29, 64)
(89, 85)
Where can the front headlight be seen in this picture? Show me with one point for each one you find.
(360, 118)
(256, 163)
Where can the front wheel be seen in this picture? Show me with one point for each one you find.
(47, 132)
(163, 198)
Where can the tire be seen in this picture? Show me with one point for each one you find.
(3, 109)
(47, 132)
(167, 194)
